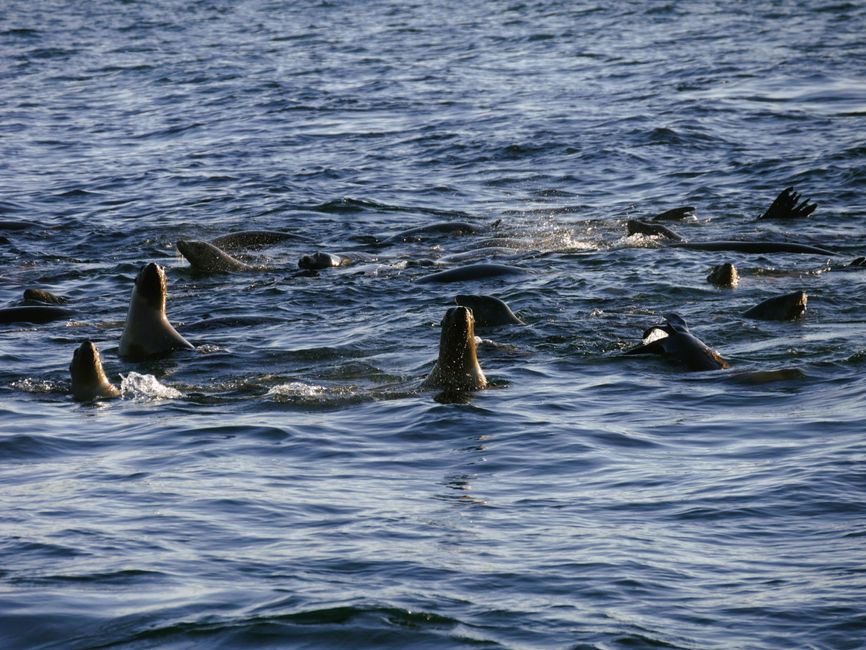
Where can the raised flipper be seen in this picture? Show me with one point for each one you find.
(788, 206)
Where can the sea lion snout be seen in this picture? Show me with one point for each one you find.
(458, 317)
(150, 284)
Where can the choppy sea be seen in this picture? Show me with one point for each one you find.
(289, 484)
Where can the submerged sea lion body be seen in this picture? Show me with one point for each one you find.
(36, 313)
(790, 306)
(724, 275)
(753, 247)
(439, 228)
(254, 239)
(88, 378)
(208, 258)
(673, 340)
(633, 226)
(472, 272)
(148, 332)
(488, 311)
(478, 254)
(457, 367)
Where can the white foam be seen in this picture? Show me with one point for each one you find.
(297, 389)
(138, 386)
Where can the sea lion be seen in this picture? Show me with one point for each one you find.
(633, 226)
(148, 332)
(485, 252)
(254, 239)
(439, 228)
(88, 378)
(34, 314)
(472, 272)
(208, 258)
(674, 341)
(488, 311)
(457, 367)
(785, 206)
(675, 214)
(790, 306)
(752, 247)
(319, 260)
(724, 275)
(42, 296)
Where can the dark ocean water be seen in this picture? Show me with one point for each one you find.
(288, 484)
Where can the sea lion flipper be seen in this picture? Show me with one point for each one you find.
(789, 206)
(677, 323)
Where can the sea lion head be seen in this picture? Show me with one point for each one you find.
(458, 332)
(192, 247)
(457, 367)
(796, 307)
(724, 275)
(88, 377)
(151, 286)
(487, 310)
(317, 260)
(43, 296)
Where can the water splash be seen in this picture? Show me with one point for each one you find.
(296, 389)
(146, 387)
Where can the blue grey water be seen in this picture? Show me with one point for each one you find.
(289, 483)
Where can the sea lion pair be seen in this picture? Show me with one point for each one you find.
(457, 368)
(209, 258)
(673, 339)
(147, 333)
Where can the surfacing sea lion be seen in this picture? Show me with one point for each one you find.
(488, 311)
(208, 258)
(790, 306)
(472, 272)
(43, 297)
(148, 332)
(88, 378)
(457, 367)
(785, 206)
(675, 214)
(674, 341)
(633, 226)
(439, 228)
(319, 260)
(254, 239)
(724, 275)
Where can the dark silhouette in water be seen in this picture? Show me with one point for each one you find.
(674, 341)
